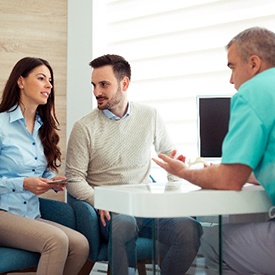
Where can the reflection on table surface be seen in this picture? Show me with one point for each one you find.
(177, 199)
(161, 187)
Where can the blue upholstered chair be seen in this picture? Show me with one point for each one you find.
(17, 260)
(88, 224)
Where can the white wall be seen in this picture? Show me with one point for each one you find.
(79, 89)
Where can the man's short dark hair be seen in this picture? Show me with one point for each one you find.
(121, 67)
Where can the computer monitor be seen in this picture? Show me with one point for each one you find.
(213, 118)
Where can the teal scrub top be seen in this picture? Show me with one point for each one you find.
(251, 134)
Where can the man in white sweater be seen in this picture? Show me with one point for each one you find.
(112, 145)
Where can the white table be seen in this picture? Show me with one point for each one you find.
(178, 199)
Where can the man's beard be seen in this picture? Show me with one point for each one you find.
(114, 101)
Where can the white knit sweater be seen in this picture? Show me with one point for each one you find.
(107, 152)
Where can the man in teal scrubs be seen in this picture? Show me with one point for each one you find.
(251, 137)
(248, 148)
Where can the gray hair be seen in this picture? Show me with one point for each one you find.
(255, 41)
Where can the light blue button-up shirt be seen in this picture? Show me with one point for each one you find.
(21, 156)
(112, 116)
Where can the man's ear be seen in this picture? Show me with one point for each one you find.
(125, 83)
(256, 63)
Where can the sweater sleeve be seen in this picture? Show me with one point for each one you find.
(163, 143)
(77, 162)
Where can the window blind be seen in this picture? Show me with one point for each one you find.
(177, 51)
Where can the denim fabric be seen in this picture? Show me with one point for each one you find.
(124, 232)
(180, 236)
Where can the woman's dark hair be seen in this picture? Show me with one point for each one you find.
(121, 67)
(11, 98)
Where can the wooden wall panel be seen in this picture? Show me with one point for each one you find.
(37, 28)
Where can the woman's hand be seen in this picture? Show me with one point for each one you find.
(59, 186)
(39, 186)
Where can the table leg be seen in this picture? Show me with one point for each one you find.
(111, 247)
(156, 258)
(220, 245)
(154, 252)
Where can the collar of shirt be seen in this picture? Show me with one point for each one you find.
(17, 115)
(112, 116)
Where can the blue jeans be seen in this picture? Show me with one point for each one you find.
(180, 236)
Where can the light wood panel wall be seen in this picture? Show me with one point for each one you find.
(37, 28)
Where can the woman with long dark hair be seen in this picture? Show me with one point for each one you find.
(29, 161)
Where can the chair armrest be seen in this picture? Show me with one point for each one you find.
(87, 223)
(57, 211)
